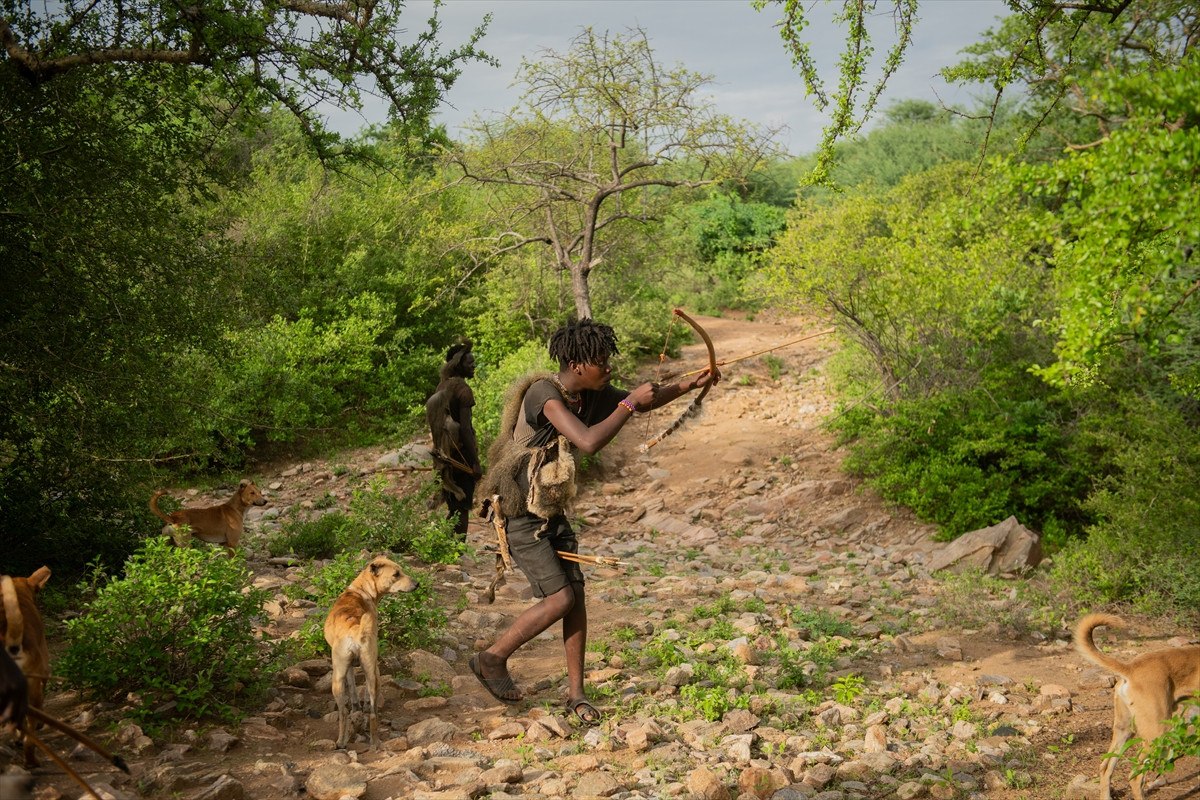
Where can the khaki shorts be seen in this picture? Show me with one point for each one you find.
(547, 573)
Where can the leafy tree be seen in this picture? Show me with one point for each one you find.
(109, 275)
(1043, 45)
(726, 238)
(352, 283)
(916, 136)
(606, 131)
(850, 110)
(296, 53)
(120, 121)
(1124, 264)
(916, 273)
(1049, 51)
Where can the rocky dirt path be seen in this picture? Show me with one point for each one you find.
(776, 634)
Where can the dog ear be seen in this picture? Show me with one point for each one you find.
(375, 567)
(245, 482)
(38, 579)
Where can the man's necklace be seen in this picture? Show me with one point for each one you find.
(573, 398)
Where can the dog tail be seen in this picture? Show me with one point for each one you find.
(14, 633)
(1087, 648)
(154, 506)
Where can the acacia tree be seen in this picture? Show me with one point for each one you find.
(603, 133)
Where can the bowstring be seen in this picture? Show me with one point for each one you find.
(662, 360)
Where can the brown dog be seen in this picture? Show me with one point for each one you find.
(219, 524)
(25, 639)
(352, 630)
(1150, 689)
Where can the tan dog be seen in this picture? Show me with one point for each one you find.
(1150, 689)
(219, 524)
(352, 630)
(25, 639)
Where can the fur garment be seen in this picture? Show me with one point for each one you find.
(551, 469)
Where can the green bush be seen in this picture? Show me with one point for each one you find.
(1144, 546)
(406, 620)
(968, 459)
(177, 631)
(378, 520)
(310, 538)
(296, 374)
(819, 624)
(387, 521)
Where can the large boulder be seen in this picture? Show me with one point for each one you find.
(1005, 547)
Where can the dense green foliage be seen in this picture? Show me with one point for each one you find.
(378, 519)
(189, 282)
(177, 632)
(1023, 331)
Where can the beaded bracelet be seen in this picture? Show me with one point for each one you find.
(625, 402)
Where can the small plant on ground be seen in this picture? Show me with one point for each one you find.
(177, 632)
(819, 623)
(1017, 779)
(709, 702)
(847, 688)
(774, 366)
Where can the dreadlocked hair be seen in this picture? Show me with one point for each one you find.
(583, 341)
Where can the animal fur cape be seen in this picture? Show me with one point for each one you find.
(551, 469)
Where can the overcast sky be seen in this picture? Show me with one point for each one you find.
(753, 77)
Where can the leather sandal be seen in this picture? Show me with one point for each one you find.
(584, 711)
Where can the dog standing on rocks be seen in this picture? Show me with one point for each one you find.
(1150, 688)
(219, 524)
(352, 630)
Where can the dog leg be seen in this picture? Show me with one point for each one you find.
(37, 690)
(1122, 731)
(356, 703)
(370, 664)
(340, 674)
(1149, 715)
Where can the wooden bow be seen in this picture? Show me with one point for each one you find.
(694, 406)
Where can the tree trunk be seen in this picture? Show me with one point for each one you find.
(579, 287)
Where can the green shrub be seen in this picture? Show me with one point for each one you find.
(802, 668)
(1143, 548)
(378, 520)
(293, 374)
(310, 538)
(492, 385)
(387, 521)
(177, 631)
(407, 620)
(968, 459)
(819, 624)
